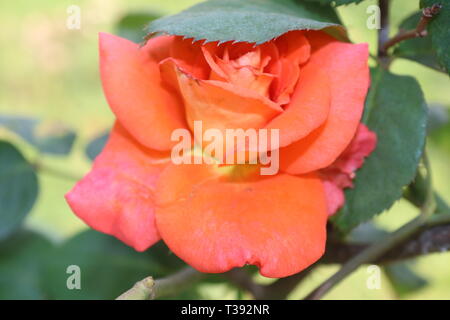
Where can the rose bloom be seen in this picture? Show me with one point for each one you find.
(307, 84)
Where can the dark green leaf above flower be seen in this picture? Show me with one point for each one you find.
(254, 21)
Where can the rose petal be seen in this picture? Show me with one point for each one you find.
(334, 195)
(220, 105)
(116, 197)
(346, 66)
(215, 223)
(362, 145)
(308, 109)
(245, 72)
(339, 174)
(294, 49)
(190, 57)
(209, 51)
(145, 106)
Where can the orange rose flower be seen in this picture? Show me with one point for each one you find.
(307, 84)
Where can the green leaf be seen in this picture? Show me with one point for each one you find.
(47, 137)
(18, 188)
(439, 31)
(108, 267)
(96, 145)
(21, 266)
(417, 49)
(132, 25)
(337, 2)
(403, 279)
(254, 21)
(395, 110)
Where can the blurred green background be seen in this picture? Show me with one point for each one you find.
(50, 72)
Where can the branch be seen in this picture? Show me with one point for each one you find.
(368, 255)
(58, 173)
(142, 290)
(41, 166)
(377, 250)
(149, 288)
(383, 32)
(434, 238)
(420, 31)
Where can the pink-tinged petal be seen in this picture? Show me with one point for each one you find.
(216, 223)
(334, 195)
(117, 196)
(362, 145)
(340, 174)
(145, 105)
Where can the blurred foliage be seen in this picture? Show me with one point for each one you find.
(94, 147)
(33, 268)
(132, 25)
(18, 188)
(108, 267)
(404, 280)
(22, 258)
(50, 72)
(47, 137)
